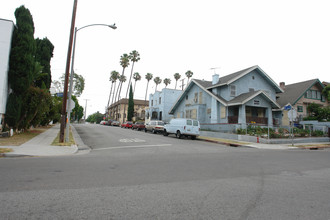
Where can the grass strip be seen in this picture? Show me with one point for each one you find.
(71, 140)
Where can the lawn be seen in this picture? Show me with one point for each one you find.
(21, 138)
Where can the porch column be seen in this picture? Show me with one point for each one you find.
(270, 117)
(214, 111)
(242, 116)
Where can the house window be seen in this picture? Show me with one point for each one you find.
(186, 97)
(152, 102)
(318, 95)
(256, 102)
(160, 100)
(300, 108)
(191, 113)
(232, 90)
(196, 97)
(322, 98)
(313, 94)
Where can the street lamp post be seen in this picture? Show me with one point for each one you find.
(72, 74)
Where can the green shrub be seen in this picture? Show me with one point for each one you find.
(317, 133)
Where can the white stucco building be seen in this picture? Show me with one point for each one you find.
(160, 104)
(6, 32)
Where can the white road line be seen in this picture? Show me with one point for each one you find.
(138, 146)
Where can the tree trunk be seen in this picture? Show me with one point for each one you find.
(129, 82)
(145, 98)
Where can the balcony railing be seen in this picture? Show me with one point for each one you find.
(256, 120)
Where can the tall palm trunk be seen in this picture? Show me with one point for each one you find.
(110, 94)
(113, 96)
(119, 87)
(145, 98)
(129, 82)
(134, 88)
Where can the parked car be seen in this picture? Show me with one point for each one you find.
(182, 127)
(102, 122)
(115, 123)
(110, 121)
(154, 127)
(138, 125)
(127, 124)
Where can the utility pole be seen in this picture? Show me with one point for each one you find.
(65, 92)
(85, 109)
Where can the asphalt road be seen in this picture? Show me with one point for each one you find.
(137, 175)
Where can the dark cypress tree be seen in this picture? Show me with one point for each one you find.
(21, 62)
(130, 110)
(44, 53)
(21, 65)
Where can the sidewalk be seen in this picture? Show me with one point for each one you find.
(235, 143)
(41, 146)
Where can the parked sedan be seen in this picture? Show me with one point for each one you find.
(155, 127)
(127, 124)
(139, 125)
(115, 123)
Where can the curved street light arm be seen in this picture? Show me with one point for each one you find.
(110, 26)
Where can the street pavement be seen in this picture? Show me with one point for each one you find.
(41, 145)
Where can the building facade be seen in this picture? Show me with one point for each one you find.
(118, 110)
(160, 104)
(231, 101)
(6, 32)
(299, 96)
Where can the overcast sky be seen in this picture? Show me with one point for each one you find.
(288, 39)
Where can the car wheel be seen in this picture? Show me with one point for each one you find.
(153, 131)
(165, 133)
(193, 137)
(145, 130)
(178, 134)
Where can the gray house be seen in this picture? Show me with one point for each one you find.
(231, 101)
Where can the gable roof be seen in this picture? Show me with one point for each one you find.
(294, 92)
(203, 85)
(228, 79)
(245, 97)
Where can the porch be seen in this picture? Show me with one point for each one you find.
(249, 115)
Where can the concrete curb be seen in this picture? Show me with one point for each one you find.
(224, 143)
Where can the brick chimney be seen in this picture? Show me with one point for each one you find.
(282, 85)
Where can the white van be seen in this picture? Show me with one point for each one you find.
(182, 127)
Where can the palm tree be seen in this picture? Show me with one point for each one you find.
(188, 75)
(177, 76)
(124, 62)
(158, 81)
(167, 81)
(122, 79)
(148, 78)
(114, 75)
(136, 77)
(134, 56)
